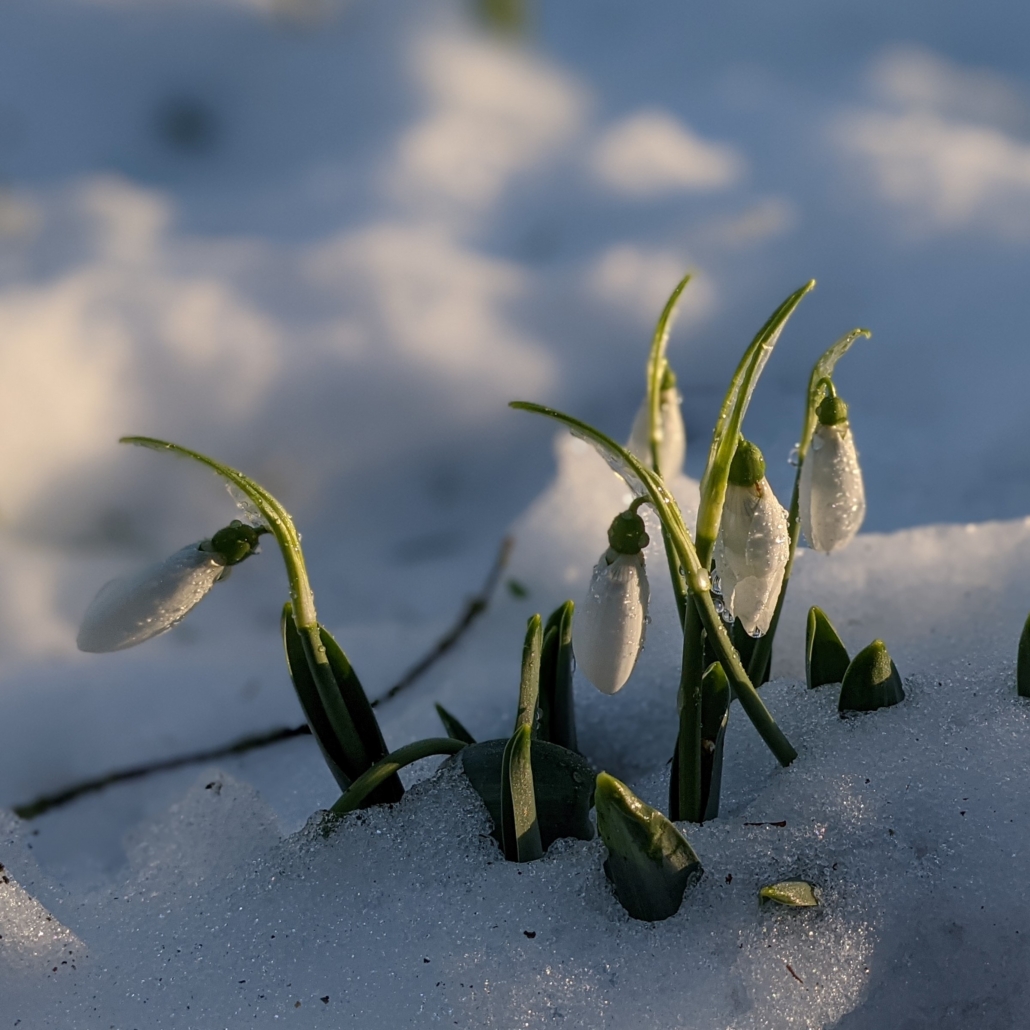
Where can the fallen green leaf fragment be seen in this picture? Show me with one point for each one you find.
(826, 657)
(650, 864)
(792, 893)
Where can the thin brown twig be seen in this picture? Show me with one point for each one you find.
(473, 609)
(62, 797)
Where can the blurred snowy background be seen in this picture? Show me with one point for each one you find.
(327, 241)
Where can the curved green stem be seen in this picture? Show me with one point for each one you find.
(275, 515)
(698, 581)
(820, 379)
(727, 426)
(656, 370)
(386, 767)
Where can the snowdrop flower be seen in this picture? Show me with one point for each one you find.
(672, 449)
(832, 496)
(609, 629)
(753, 543)
(132, 609)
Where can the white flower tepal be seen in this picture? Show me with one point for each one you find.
(753, 544)
(831, 492)
(672, 448)
(608, 632)
(129, 610)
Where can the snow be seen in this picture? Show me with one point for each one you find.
(326, 242)
(910, 821)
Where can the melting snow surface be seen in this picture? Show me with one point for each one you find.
(226, 911)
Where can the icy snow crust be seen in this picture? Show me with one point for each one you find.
(910, 821)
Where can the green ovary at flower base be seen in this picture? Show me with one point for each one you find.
(130, 610)
(752, 547)
(831, 494)
(609, 629)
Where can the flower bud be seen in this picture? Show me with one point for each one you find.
(831, 493)
(672, 436)
(132, 609)
(753, 545)
(608, 632)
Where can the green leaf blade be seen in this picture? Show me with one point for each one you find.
(374, 778)
(826, 657)
(452, 727)
(563, 787)
(650, 863)
(520, 828)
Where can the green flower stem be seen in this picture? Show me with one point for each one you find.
(386, 767)
(731, 416)
(275, 515)
(698, 581)
(679, 584)
(688, 742)
(280, 524)
(819, 380)
(656, 370)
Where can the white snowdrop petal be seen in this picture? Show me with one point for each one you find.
(132, 609)
(831, 493)
(751, 553)
(608, 631)
(672, 450)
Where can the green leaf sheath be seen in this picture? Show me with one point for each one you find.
(826, 657)
(697, 575)
(656, 370)
(731, 417)
(452, 726)
(332, 748)
(336, 707)
(529, 682)
(821, 370)
(557, 708)
(363, 718)
(386, 768)
(649, 863)
(1023, 661)
(520, 828)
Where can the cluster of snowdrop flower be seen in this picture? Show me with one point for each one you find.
(729, 575)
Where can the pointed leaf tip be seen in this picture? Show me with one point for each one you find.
(826, 657)
(872, 681)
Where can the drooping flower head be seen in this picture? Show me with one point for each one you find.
(609, 629)
(672, 436)
(132, 609)
(831, 492)
(753, 545)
